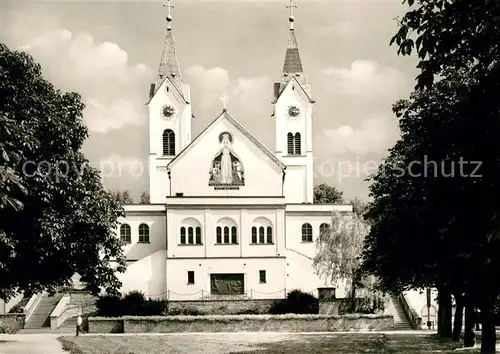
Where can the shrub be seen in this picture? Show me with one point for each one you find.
(109, 306)
(133, 303)
(296, 302)
(19, 307)
(153, 308)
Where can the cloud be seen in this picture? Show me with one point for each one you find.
(374, 135)
(366, 79)
(244, 93)
(112, 88)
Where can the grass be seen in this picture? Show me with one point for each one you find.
(261, 343)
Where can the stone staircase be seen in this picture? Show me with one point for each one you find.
(41, 316)
(401, 322)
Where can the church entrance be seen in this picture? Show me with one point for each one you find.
(227, 284)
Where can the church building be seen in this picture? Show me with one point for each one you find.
(247, 227)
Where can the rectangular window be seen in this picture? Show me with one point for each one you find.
(262, 276)
(190, 235)
(226, 234)
(190, 277)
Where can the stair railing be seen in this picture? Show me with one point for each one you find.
(411, 314)
(31, 306)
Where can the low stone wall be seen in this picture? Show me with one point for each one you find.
(344, 305)
(242, 323)
(219, 307)
(11, 322)
(105, 325)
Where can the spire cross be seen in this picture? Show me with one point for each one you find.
(291, 7)
(168, 4)
(225, 100)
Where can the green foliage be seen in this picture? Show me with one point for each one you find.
(19, 307)
(448, 35)
(67, 221)
(339, 248)
(145, 198)
(325, 194)
(134, 303)
(109, 306)
(124, 197)
(296, 302)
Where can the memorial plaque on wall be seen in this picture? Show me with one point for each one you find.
(227, 284)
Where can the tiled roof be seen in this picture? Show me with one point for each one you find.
(169, 66)
(292, 68)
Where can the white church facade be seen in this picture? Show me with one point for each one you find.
(228, 216)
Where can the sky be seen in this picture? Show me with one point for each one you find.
(109, 52)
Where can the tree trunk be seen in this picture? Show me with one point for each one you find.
(353, 294)
(470, 319)
(459, 313)
(488, 340)
(444, 319)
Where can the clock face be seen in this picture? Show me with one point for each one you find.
(293, 111)
(168, 111)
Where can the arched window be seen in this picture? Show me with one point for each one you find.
(234, 235)
(323, 228)
(125, 233)
(262, 236)
(269, 234)
(289, 143)
(297, 145)
(190, 235)
(183, 235)
(262, 231)
(168, 142)
(143, 233)
(307, 233)
(227, 232)
(219, 234)
(198, 235)
(190, 232)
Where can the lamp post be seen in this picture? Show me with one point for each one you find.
(428, 291)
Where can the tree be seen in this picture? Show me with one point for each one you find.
(449, 35)
(459, 42)
(65, 221)
(442, 248)
(145, 198)
(339, 248)
(358, 206)
(9, 179)
(124, 197)
(325, 194)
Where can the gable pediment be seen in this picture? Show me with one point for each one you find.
(225, 158)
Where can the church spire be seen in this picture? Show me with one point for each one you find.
(169, 66)
(293, 64)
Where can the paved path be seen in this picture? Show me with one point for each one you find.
(40, 343)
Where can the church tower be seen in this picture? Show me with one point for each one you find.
(293, 115)
(170, 117)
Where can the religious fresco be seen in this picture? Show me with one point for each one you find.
(226, 169)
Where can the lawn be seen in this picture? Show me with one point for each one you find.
(260, 343)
